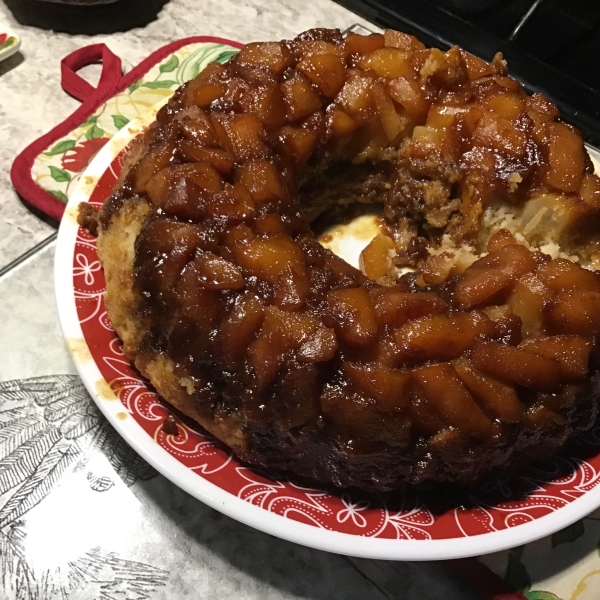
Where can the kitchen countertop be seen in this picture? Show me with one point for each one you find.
(95, 520)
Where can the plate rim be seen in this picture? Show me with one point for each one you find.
(222, 500)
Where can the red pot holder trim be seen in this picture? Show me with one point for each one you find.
(110, 83)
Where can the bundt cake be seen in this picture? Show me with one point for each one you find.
(467, 341)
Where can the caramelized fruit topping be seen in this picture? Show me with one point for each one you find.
(235, 289)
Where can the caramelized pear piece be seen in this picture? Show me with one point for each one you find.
(528, 300)
(239, 327)
(500, 237)
(355, 96)
(430, 140)
(342, 271)
(375, 260)
(590, 190)
(452, 401)
(151, 163)
(406, 92)
(266, 355)
(571, 351)
(238, 234)
(291, 289)
(301, 100)
(205, 94)
(541, 105)
(216, 273)
(391, 122)
(340, 124)
(273, 55)
(442, 337)
(202, 174)
(196, 127)
(496, 397)
(270, 223)
(437, 268)
(362, 44)
(440, 117)
(198, 303)
(566, 158)
(297, 327)
(319, 346)
(158, 187)
(262, 179)
(507, 105)
(476, 67)
(165, 236)
(395, 307)
(402, 41)
(186, 201)
(242, 134)
(326, 71)
(267, 256)
(221, 160)
(564, 275)
(234, 203)
(576, 306)
(268, 105)
(280, 333)
(298, 142)
(516, 365)
(575, 312)
(388, 62)
(490, 277)
(467, 120)
(508, 83)
(445, 69)
(164, 247)
(353, 315)
(498, 133)
(385, 385)
(310, 47)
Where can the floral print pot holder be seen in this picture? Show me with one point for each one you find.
(48, 169)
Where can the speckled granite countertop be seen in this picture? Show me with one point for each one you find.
(81, 516)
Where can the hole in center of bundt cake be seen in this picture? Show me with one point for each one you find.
(377, 215)
(385, 216)
(345, 202)
(329, 188)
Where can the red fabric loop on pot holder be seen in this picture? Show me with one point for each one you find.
(78, 87)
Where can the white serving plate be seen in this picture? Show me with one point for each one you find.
(503, 513)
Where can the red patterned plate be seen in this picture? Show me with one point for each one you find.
(500, 514)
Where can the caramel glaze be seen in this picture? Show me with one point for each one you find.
(325, 372)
